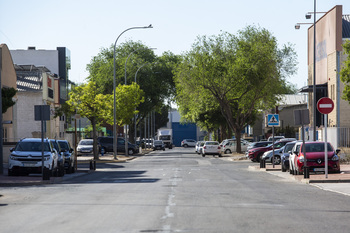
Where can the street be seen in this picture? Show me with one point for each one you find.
(173, 191)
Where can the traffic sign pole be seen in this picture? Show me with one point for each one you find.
(325, 106)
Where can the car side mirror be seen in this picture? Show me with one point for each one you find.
(296, 152)
(71, 150)
(12, 149)
(337, 151)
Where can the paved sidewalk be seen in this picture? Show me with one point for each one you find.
(83, 168)
(342, 177)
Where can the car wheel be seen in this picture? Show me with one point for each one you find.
(203, 155)
(69, 169)
(61, 172)
(185, 145)
(283, 168)
(220, 155)
(277, 160)
(228, 151)
(11, 172)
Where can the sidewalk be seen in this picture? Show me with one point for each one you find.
(342, 177)
(84, 168)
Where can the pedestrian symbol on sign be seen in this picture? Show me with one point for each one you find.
(273, 120)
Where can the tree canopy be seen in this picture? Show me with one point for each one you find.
(345, 71)
(98, 108)
(240, 75)
(152, 73)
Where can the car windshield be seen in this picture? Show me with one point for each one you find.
(86, 142)
(64, 145)
(317, 147)
(31, 146)
(288, 147)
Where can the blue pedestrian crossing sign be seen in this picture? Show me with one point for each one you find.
(273, 120)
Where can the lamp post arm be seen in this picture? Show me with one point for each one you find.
(114, 86)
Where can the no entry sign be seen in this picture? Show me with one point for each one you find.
(325, 105)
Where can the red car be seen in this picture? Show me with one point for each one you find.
(316, 157)
(255, 154)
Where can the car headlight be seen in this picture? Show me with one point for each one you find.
(301, 159)
(335, 158)
(13, 157)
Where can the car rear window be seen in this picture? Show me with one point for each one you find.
(212, 143)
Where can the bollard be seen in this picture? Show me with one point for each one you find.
(91, 168)
(262, 163)
(94, 165)
(306, 173)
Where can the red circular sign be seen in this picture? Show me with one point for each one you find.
(325, 105)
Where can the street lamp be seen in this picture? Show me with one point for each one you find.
(114, 86)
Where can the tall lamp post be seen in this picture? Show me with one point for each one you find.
(114, 86)
(314, 107)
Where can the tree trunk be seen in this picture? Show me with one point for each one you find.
(238, 141)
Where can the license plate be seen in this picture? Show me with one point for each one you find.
(319, 169)
(85, 151)
(29, 165)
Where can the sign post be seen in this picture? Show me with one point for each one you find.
(273, 120)
(325, 106)
(301, 117)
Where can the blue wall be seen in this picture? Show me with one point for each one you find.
(183, 131)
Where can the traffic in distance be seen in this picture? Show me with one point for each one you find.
(60, 157)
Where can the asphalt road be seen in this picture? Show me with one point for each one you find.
(174, 191)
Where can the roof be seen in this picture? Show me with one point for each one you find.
(29, 77)
(346, 26)
(289, 100)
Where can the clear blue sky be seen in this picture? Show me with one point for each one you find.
(86, 26)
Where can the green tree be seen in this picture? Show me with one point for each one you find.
(242, 74)
(345, 72)
(155, 77)
(98, 108)
(7, 94)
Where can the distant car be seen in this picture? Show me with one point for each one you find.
(285, 155)
(106, 143)
(27, 157)
(61, 157)
(188, 143)
(230, 146)
(256, 154)
(199, 148)
(268, 156)
(315, 155)
(275, 137)
(211, 148)
(85, 146)
(158, 145)
(68, 152)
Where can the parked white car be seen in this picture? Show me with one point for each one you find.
(292, 158)
(27, 157)
(231, 146)
(211, 148)
(196, 148)
(188, 143)
(85, 146)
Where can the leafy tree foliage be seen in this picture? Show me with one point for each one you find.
(98, 108)
(241, 74)
(345, 72)
(7, 95)
(155, 76)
